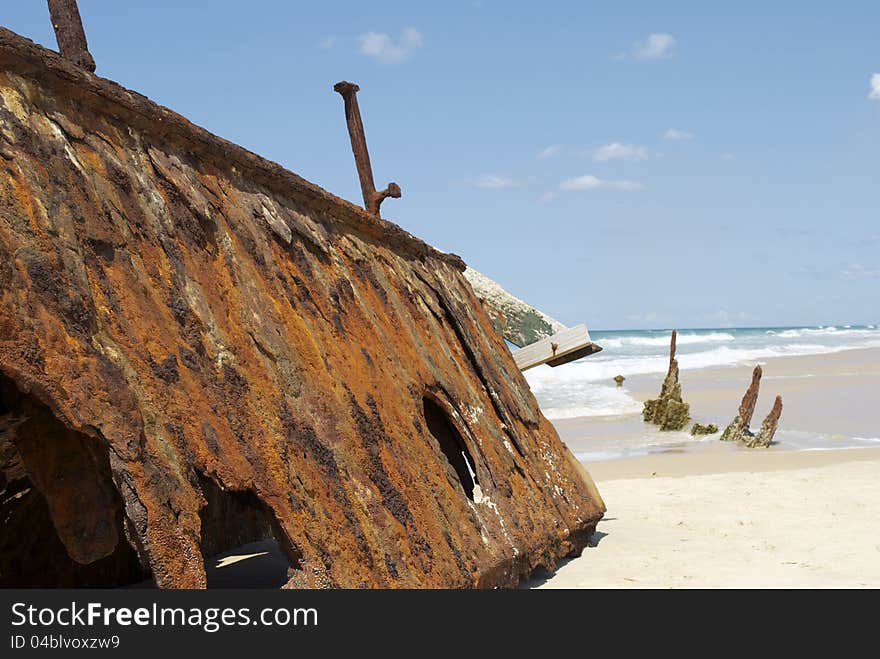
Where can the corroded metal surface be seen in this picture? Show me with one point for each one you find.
(765, 435)
(70, 33)
(207, 338)
(750, 398)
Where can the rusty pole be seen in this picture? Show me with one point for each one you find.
(70, 34)
(372, 199)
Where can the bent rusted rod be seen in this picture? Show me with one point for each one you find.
(70, 34)
(372, 199)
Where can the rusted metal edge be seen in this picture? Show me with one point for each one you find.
(26, 58)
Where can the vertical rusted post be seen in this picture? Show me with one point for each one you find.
(672, 348)
(70, 34)
(372, 199)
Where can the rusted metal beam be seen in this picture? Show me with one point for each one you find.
(70, 34)
(372, 198)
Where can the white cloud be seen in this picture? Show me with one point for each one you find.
(676, 134)
(725, 318)
(875, 87)
(859, 271)
(547, 197)
(493, 182)
(327, 43)
(589, 182)
(618, 151)
(382, 48)
(550, 151)
(658, 45)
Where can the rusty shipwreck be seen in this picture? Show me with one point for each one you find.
(200, 349)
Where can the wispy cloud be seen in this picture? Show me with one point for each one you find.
(589, 182)
(492, 182)
(875, 87)
(726, 318)
(677, 135)
(550, 151)
(327, 43)
(811, 271)
(658, 45)
(859, 271)
(383, 48)
(618, 151)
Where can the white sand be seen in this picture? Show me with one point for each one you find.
(716, 519)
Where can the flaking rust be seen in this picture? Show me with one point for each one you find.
(223, 352)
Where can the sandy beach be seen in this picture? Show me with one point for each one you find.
(703, 514)
(719, 520)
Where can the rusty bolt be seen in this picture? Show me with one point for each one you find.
(70, 34)
(372, 198)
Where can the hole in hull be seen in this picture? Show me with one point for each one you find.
(61, 517)
(452, 445)
(242, 543)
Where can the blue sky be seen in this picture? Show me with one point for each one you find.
(625, 164)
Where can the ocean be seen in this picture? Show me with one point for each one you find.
(585, 389)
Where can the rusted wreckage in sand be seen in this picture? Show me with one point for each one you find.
(200, 349)
(669, 411)
(738, 430)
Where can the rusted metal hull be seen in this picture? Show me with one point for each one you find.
(204, 326)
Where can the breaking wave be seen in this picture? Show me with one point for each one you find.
(585, 387)
(663, 341)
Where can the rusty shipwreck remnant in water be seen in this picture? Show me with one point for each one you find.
(738, 429)
(669, 411)
(70, 33)
(372, 199)
(200, 349)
